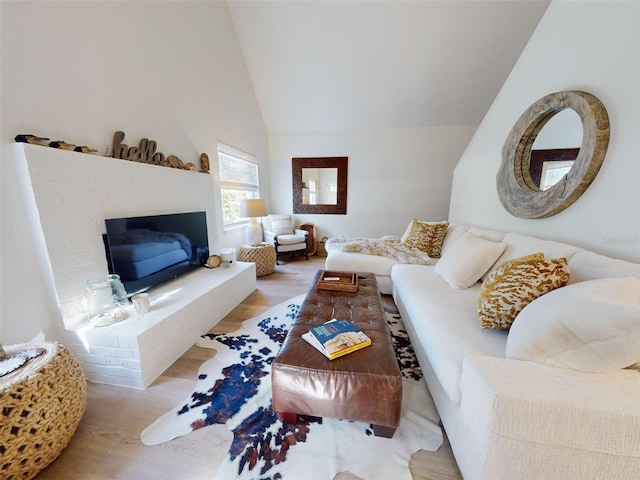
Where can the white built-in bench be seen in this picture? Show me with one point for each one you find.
(134, 352)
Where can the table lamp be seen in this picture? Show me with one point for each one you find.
(252, 208)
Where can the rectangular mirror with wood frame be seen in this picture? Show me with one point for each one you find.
(320, 185)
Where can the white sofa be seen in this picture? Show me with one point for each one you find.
(340, 258)
(520, 419)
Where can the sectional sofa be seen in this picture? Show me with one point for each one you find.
(551, 394)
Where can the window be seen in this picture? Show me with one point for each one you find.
(552, 172)
(313, 194)
(238, 180)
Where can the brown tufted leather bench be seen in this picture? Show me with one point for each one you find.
(365, 385)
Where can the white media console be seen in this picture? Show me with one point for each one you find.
(134, 352)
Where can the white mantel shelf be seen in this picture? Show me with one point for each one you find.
(134, 352)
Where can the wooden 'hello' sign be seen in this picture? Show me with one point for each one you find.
(145, 152)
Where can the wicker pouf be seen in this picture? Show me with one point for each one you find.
(263, 255)
(41, 406)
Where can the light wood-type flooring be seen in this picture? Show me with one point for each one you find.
(107, 444)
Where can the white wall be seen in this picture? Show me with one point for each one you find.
(394, 176)
(591, 46)
(78, 71)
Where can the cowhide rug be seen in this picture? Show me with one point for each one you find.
(234, 388)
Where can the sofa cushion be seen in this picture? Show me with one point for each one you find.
(454, 232)
(467, 260)
(292, 239)
(443, 321)
(516, 283)
(590, 266)
(534, 421)
(592, 326)
(519, 245)
(427, 237)
(281, 224)
(494, 235)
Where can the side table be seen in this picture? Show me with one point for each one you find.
(263, 255)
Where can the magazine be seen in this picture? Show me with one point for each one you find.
(336, 338)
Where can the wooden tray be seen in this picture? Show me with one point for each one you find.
(339, 281)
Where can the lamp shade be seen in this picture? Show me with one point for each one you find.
(252, 207)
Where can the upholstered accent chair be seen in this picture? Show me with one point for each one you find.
(287, 240)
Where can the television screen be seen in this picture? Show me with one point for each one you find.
(146, 251)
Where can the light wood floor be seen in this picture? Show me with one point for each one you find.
(107, 444)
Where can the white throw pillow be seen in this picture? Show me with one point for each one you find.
(592, 326)
(281, 224)
(467, 260)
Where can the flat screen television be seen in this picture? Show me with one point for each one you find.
(146, 251)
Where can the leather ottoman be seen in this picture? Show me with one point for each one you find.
(365, 385)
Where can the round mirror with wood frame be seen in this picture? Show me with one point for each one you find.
(524, 200)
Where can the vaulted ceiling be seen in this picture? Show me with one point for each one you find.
(352, 65)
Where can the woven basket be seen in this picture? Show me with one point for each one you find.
(322, 251)
(310, 228)
(41, 406)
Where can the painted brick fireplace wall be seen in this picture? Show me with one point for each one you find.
(68, 196)
(74, 192)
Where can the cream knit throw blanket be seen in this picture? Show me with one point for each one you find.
(388, 246)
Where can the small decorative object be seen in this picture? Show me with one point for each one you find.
(213, 261)
(174, 162)
(106, 300)
(190, 166)
(141, 302)
(145, 153)
(105, 319)
(228, 256)
(62, 145)
(84, 149)
(204, 163)
(30, 138)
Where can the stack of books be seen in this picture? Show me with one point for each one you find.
(336, 338)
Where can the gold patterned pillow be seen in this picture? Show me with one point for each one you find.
(427, 237)
(515, 284)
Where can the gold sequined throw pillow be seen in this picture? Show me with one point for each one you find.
(515, 284)
(427, 237)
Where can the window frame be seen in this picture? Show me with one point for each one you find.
(235, 186)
